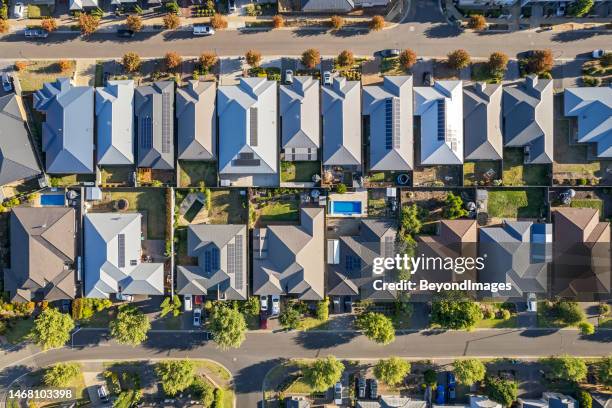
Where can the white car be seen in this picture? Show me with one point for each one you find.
(275, 305)
(338, 393)
(263, 299)
(197, 317)
(203, 30)
(289, 76)
(327, 78)
(19, 11)
(187, 303)
(598, 53)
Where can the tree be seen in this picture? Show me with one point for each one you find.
(203, 391)
(452, 311)
(4, 26)
(172, 60)
(171, 305)
(218, 22)
(377, 327)
(580, 8)
(604, 371)
(586, 328)
(21, 65)
(130, 326)
(459, 59)
(131, 62)
(603, 308)
(566, 368)
(48, 24)
(171, 21)
(341, 188)
(51, 329)
(569, 312)
(289, 318)
(323, 309)
(430, 377)
(407, 58)
(337, 22)
(61, 374)
(252, 306)
(208, 60)
(498, 61)
(606, 59)
(253, 58)
(469, 371)
(278, 21)
(501, 390)
(175, 375)
(323, 373)
(228, 327)
(134, 22)
(584, 399)
(453, 207)
(477, 22)
(88, 23)
(410, 223)
(311, 58)
(346, 58)
(392, 371)
(540, 61)
(377, 23)
(64, 65)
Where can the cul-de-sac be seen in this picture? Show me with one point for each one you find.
(306, 203)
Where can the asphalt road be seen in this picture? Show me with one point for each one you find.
(423, 29)
(262, 351)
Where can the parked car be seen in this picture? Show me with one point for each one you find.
(373, 389)
(440, 394)
(451, 385)
(187, 303)
(275, 305)
(338, 393)
(263, 299)
(598, 53)
(103, 393)
(125, 33)
(19, 11)
(327, 78)
(203, 30)
(231, 6)
(390, 53)
(35, 33)
(361, 387)
(427, 79)
(532, 303)
(289, 76)
(197, 317)
(7, 85)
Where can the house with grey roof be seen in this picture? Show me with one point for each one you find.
(221, 269)
(68, 129)
(115, 123)
(289, 259)
(196, 118)
(327, 6)
(300, 120)
(43, 251)
(387, 110)
(113, 257)
(592, 108)
(518, 253)
(17, 159)
(350, 259)
(528, 118)
(341, 115)
(154, 109)
(440, 109)
(391, 401)
(80, 5)
(482, 122)
(549, 400)
(248, 141)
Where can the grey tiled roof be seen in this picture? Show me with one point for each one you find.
(327, 5)
(482, 122)
(115, 123)
(299, 111)
(197, 121)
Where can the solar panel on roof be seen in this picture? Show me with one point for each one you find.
(441, 119)
(121, 251)
(166, 123)
(230, 259)
(146, 132)
(253, 126)
(239, 279)
(215, 258)
(207, 262)
(392, 123)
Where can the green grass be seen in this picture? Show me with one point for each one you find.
(299, 171)
(38, 72)
(275, 211)
(497, 323)
(515, 173)
(150, 201)
(299, 386)
(228, 207)
(195, 172)
(481, 73)
(215, 369)
(98, 319)
(116, 175)
(391, 66)
(19, 331)
(473, 172)
(99, 78)
(516, 203)
(309, 323)
(39, 11)
(68, 180)
(589, 203)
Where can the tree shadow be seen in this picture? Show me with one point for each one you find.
(533, 333)
(314, 340)
(600, 336)
(442, 31)
(9, 375)
(347, 33)
(178, 341)
(250, 379)
(309, 32)
(575, 35)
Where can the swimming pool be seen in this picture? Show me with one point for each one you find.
(52, 199)
(345, 207)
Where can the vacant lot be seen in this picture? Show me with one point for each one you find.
(515, 173)
(514, 204)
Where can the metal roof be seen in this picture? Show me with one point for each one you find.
(115, 123)
(197, 121)
(592, 107)
(327, 5)
(482, 121)
(299, 111)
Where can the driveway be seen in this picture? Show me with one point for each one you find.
(92, 376)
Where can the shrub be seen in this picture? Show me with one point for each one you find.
(346, 58)
(586, 328)
(584, 399)
(477, 22)
(407, 58)
(498, 61)
(604, 309)
(49, 24)
(172, 7)
(134, 22)
(606, 60)
(88, 23)
(64, 66)
(591, 81)
(278, 21)
(253, 58)
(540, 61)
(131, 62)
(582, 182)
(207, 60)
(337, 22)
(323, 309)
(253, 10)
(61, 374)
(172, 60)
(341, 188)
(311, 58)
(501, 390)
(21, 65)
(505, 314)
(430, 377)
(219, 397)
(218, 22)
(377, 23)
(171, 21)
(459, 59)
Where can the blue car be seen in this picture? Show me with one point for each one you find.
(440, 395)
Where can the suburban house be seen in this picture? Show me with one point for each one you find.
(154, 108)
(476, 401)
(549, 400)
(81, 5)
(350, 259)
(115, 123)
(297, 402)
(388, 401)
(440, 109)
(341, 115)
(196, 118)
(289, 260)
(338, 6)
(528, 118)
(248, 145)
(17, 159)
(43, 250)
(592, 108)
(519, 253)
(221, 269)
(580, 235)
(387, 113)
(113, 258)
(482, 122)
(68, 130)
(300, 120)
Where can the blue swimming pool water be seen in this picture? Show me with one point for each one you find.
(52, 199)
(346, 207)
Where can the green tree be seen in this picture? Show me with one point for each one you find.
(323, 373)
(251, 306)
(410, 223)
(501, 390)
(586, 328)
(580, 8)
(392, 371)
(171, 305)
(453, 208)
(219, 396)
(341, 188)
(61, 374)
(376, 327)
(453, 311)
(228, 327)
(430, 377)
(203, 391)
(289, 318)
(323, 309)
(569, 312)
(469, 371)
(51, 329)
(175, 375)
(584, 399)
(604, 371)
(130, 326)
(566, 368)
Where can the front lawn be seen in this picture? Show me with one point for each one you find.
(37, 73)
(516, 173)
(194, 173)
(19, 330)
(152, 203)
(299, 171)
(36, 11)
(279, 211)
(514, 204)
(391, 66)
(497, 323)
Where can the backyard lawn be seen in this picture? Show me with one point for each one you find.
(37, 73)
(590, 203)
(514, 204)
(480, 171)
(195, 172)
(279, 211)
(228, 207)
(116, 175)
(150, 202)
(516, 173)
(70, 179)
(299, 171)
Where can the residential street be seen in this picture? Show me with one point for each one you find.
(262, 351)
